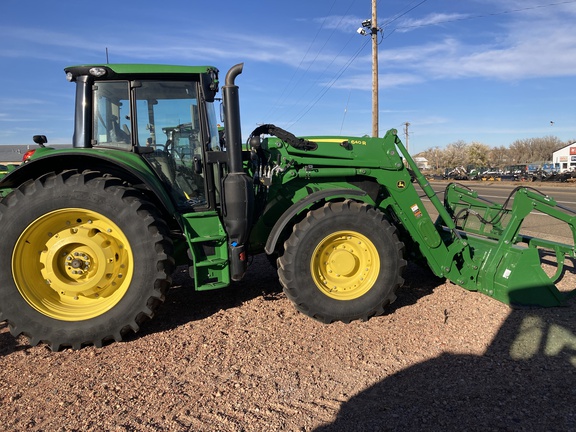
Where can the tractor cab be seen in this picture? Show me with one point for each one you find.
(164, 113)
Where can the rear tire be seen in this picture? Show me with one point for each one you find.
(84, 260)
(343, 262)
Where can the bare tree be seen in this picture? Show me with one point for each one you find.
(534, 149)
(455, 154)
(478, 154)
(523, 151)
(499, 157)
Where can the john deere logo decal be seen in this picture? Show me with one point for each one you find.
(401, 184)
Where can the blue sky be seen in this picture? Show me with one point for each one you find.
(490, 71)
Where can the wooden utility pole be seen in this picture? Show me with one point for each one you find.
(406, 134)
(374, 35)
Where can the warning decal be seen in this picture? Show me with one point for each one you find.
(416, 210)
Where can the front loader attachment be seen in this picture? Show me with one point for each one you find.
(514, 268)
(478, 244)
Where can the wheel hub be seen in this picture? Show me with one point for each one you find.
(343, 262)
(79, 261)
(345, 265)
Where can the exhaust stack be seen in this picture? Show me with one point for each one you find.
(233, 129)
(238, 199)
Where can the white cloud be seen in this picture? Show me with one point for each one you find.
(10, 102)
(431, 120)
(431, 19)
(526, 45)
(528, 49)
(534, 43)
(345, 23)
(386, 80)
(33, 43)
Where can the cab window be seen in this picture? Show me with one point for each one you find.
(111, 122)
(169, 123)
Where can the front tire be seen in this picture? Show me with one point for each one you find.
(343, 262)
(90, 260)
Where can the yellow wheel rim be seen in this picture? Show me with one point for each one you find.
(72, 264)
(345, 265)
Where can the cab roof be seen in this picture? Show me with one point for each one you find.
(134, 71)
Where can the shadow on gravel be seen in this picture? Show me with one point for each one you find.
(526, 381)
(7, 341)
(184, 305)
(419, 282)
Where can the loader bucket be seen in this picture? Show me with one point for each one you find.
(519, 279)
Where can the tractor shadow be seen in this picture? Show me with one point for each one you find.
(419, 282)
(8, 343)
(184, 305)
(526, 380)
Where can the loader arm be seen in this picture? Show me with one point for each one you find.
(445, 251)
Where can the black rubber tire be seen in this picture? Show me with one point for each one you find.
(295, 264)
(140, 224)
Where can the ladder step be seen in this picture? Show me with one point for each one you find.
(212, 285)
(202, 239)
(211, 262)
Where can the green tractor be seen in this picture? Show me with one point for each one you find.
(92, 234)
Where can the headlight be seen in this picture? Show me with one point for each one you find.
(97, 71)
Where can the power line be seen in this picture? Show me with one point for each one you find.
(280, 98)
(346, 65)
(403, 13)
(329, 86)
(323, 92)
(488, 15)
(304, 94)
(346, 111)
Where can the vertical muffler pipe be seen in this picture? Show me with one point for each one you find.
(238, 196)
(233, 130)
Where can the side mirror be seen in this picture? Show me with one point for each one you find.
(40, 140)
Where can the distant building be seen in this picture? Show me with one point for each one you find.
(12, 154)
(422, 163)
(565, 157)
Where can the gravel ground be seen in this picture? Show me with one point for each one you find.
(243, 359)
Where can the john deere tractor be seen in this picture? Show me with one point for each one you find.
(92, 234)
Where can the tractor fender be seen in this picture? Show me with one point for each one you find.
(303, 204)
(131, 169)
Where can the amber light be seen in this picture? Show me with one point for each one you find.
(28, 155)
